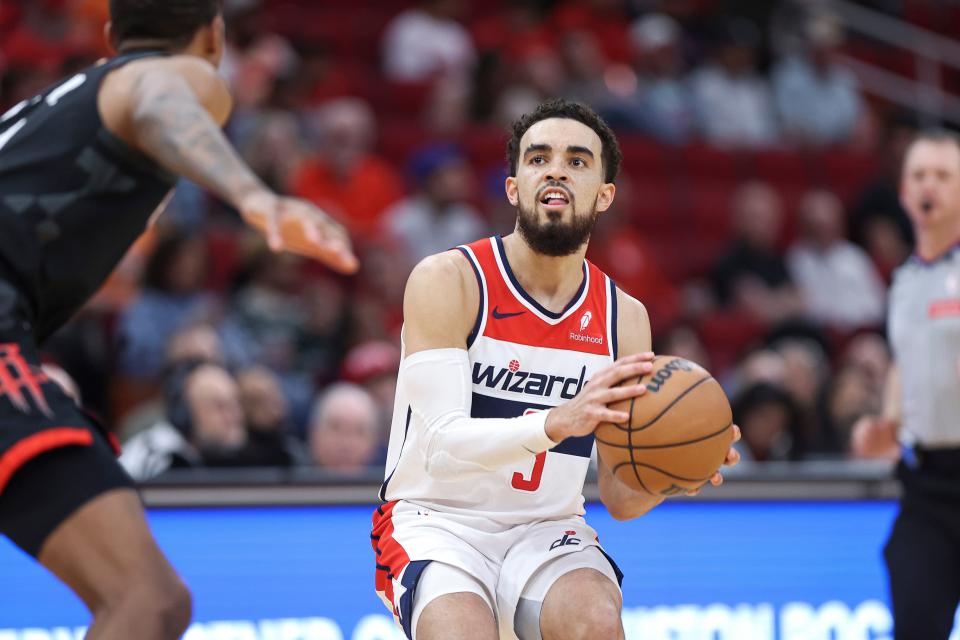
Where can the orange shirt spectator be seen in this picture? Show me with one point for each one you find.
(344, 177)
(357, 197)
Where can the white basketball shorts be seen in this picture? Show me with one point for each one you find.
(407, 537)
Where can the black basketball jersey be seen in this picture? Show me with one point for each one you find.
(73, 197)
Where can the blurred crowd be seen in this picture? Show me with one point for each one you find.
(757, 215)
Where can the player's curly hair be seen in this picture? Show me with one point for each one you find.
(560, 108)
(176, 21)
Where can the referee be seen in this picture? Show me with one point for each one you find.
(922, 399)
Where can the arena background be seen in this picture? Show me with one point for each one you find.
(756, 217)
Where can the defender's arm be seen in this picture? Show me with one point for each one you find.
(172, 109)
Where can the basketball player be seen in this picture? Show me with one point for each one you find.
(922, 403)
(482, 534)
(83, 166)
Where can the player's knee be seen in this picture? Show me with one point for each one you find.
(600, 620)
(176, 609)
(164, 605)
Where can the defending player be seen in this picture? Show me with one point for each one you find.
(922, 399)
(482, 534)
(83, 166)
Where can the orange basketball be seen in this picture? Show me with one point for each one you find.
(678, 433)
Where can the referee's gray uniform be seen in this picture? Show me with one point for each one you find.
(923, 552)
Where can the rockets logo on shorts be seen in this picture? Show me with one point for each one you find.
(17, 376)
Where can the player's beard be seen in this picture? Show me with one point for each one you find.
(555, 237)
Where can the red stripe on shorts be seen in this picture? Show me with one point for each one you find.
(30, 447)
(392, 559)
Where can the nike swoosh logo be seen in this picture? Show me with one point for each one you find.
(501, 316)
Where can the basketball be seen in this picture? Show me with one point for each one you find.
(678, 433)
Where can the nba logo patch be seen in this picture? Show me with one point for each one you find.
(953, 283)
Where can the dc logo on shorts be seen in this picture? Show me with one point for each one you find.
(567, 539)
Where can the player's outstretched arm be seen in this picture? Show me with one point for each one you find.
(172, 110)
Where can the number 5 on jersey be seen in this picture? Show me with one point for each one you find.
(532, 483)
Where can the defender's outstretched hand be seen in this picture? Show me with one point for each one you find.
(295, 225)
(732, 459)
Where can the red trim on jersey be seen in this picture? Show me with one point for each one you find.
(32, 446)
(509, 319)
(392, 558)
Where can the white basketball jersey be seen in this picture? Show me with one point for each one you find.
(523, 358)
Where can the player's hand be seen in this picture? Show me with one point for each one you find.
(732, 459)
(874, 437)
(581, 415)
(295, 225)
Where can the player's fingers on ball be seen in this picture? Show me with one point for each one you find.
(733, 457)
(630, 370)
(615, 394)
(716, 479)
(609, 415)
(736, 434)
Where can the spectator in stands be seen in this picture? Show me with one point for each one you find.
(762, 364)
(172, 297)
(878, 222)
(770, 424)
(325, 334)
(752, 276)
(537, 74)
(269, 319)
(268, 421)
(204, 424)
(839, 284)
(662, 105)
(681, 340)
(344, 177)
(869, 353)
(589, 76)
(735, 106)
(378, 301)
(426, 41)
(603, 21)
(805, 368)
(194, 342)
(259, 69)
(272, 147)
(344, 431)
(374, 366)
(438, 215)
(141, 408)
(846, 397)
(268, 309)
(624, 252)
(818, 100)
